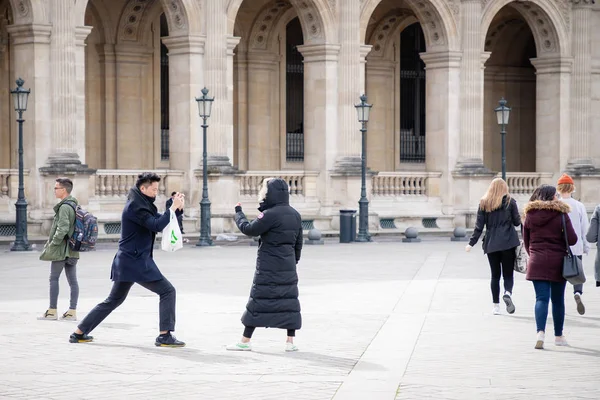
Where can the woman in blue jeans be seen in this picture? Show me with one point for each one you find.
(544, 241)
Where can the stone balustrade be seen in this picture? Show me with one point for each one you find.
(524, 183)
(114, 183)
(251, 181)
(403, 183)
(9, 182)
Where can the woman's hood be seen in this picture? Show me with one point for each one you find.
(540, 212)
(278, 192)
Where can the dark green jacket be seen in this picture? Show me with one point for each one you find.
(57, 247)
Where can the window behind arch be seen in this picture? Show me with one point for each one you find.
(294, 92)
(164, 91)
(412, 95)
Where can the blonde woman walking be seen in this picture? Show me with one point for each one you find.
(498, 214)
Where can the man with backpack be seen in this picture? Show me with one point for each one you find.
(59, 253)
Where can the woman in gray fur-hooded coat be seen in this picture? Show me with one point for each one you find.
(273, 299)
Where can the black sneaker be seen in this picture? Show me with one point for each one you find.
(83, 338)
(168, 340)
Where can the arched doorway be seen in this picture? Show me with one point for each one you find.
(126, 86)
(510, 74)
(397, 128)
(268, 87)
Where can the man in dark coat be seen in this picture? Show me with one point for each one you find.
(133, 262)
(273, 299)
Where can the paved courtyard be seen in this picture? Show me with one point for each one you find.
(381, 321)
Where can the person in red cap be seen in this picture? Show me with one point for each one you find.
(579, 219)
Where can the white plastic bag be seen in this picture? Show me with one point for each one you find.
(171, 236)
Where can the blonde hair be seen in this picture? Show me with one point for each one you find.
(492, 200)
(262, 193)
(565, 188)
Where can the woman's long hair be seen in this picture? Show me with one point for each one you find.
(492, 200)
(544, 193)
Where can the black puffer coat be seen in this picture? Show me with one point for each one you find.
(273, 299)
(500, 225)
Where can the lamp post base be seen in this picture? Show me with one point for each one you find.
(203, 242)
(363, 239)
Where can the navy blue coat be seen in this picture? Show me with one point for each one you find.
(140, 222)
(273, 299)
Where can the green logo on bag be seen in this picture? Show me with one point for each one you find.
(173, 237)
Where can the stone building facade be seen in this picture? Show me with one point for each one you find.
(113, 84)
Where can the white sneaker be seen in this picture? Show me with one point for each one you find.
(510, 307)
(239, 346)
(289, 347)
(539, 344)
(560, 341)
(496, 310)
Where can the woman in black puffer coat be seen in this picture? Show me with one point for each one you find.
(273, 299)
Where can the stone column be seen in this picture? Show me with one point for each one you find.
(263, 143)
(241, 119)
(108, 60)
(443, 120)
(349, 86)
(30, 53)
(218, 51)
(320, 116)
(470, 159)
(365, 49)
(81, 33)
(63, 78)
(133, 65)
(185, 83)
(381, 145)
(580, 160)
(553, 86)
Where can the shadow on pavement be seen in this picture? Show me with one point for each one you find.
(583, 351)
(184, 353)
(323, 359)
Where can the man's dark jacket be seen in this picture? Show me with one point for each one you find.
(273, 299)
(140, 222)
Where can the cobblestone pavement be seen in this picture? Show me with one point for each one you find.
(381, 321)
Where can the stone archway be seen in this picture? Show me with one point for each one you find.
(545, 20)
(316, 17)
(183, 16)
(550, 54)
(29, 11)
(438, 20)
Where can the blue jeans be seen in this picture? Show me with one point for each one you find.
(544, 292)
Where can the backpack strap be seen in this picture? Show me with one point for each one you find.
(70, 203)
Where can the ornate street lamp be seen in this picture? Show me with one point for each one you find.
(20, 97)
(502, 114)
(204, 108)
(363, 109)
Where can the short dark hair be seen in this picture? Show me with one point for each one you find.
(173, 194)
(544, 193)
(146, 179)
(65, 183)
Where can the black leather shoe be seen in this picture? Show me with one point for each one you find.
(168, 340)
